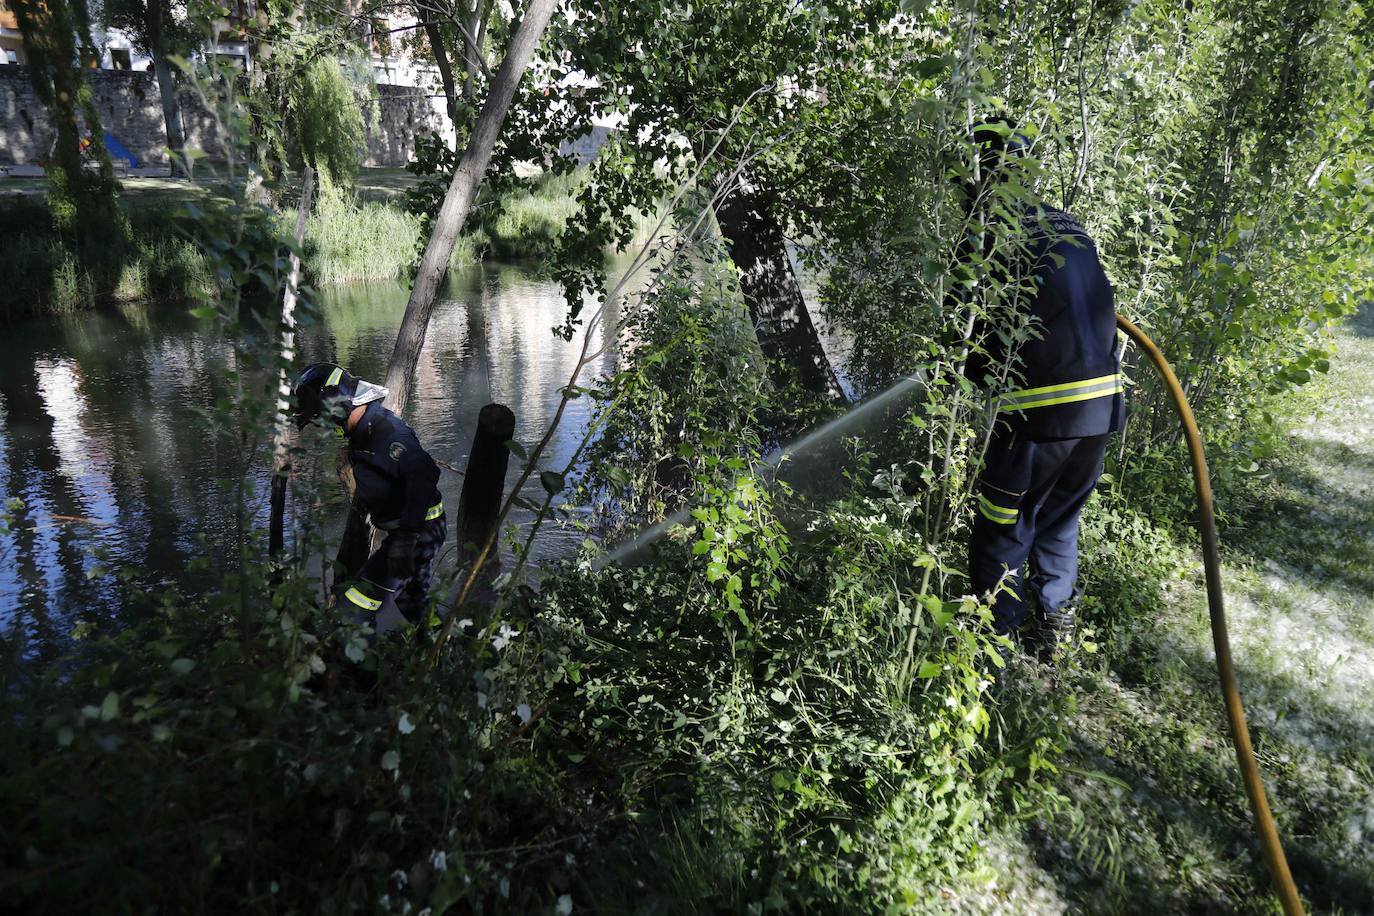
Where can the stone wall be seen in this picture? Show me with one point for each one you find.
(398, 115)
(131, 110)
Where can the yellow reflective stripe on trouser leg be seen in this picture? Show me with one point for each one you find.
(995, 513)
(334, 377)
(1086, 390)
(361, 600)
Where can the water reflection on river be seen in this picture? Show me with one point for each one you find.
(103, 439)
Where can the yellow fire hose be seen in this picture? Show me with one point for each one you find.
(1226, 671)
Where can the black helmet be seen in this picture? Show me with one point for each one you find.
(323, 388)
(997, 140)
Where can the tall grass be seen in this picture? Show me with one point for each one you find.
(145, 260)
(525, 222)
(349, 239)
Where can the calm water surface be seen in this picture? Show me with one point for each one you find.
(102, 433)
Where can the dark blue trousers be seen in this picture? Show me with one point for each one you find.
(1029, 497)
(367, 595)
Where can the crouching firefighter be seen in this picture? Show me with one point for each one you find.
(397, 485)
(1053, 418)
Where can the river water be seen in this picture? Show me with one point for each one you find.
(104, 438)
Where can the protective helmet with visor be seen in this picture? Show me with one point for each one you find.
(330, 391)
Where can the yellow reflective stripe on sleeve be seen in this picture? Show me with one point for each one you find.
(995, 513)
(334, 377)
(431, 514)
(361, 600)
(1068, 392)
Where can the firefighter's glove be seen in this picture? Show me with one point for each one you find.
(400, 555)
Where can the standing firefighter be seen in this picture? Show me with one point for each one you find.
(397, 484)
(1059, 398)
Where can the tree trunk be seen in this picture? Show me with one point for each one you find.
(436, 44)
(171, 114)
(785, 332)
(462, 190)
(281, 438)
(167, 90)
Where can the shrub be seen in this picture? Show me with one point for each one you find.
(348, 239)
(325, 116)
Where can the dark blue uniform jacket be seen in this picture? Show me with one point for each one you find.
(398, 483)
(1069, 382)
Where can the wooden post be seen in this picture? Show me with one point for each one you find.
(281, 439)
(484, 482)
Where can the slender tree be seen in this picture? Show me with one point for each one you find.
(56, 35)
(281, 434)
(160, 29)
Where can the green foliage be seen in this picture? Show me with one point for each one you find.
(513, 218)
(234, 743)
(158, 263)
(326, 119)
(689, 396)
(788, 702)
(156, 27)
(774, 72)
(824, 776)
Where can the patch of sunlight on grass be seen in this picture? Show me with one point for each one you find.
(1154, 819)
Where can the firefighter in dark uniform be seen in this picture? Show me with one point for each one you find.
(1047, 448)
(397, 484)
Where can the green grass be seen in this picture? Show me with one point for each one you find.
(358, 237)
(366, 235)
(349, 240)
(42, 274)
(1154, 819)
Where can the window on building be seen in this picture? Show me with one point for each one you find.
(119, 58)
(11, 56)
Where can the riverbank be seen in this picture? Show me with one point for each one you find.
(364, 234)
(1152, 817)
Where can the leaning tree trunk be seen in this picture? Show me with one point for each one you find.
(462, 190)
(167, 90)
(785, 331)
